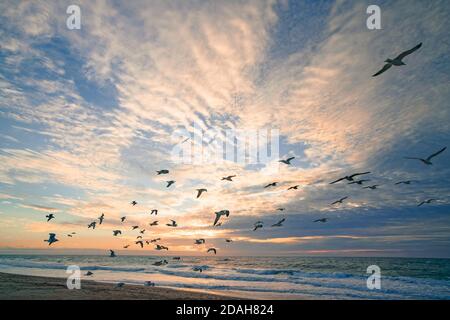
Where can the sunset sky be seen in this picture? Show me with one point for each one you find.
(87, 117)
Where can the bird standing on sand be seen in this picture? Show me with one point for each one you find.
(340, 200)
(279, 223)
(397, 61)
(287, 161)
(427, 161)
(212, 250)
(200, 191)
(350, 177)
(50, 216)
(219, 214)
(51, 238)
(169, 183)
(173, 224)
(112, 254)
(228, 178)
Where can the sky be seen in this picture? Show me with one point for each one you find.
(88, 116)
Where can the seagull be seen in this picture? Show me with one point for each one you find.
(200, 191)
(135, 227)
(51, 238)
(360, 182)
(404, 182)
(126, 247)
(50, 217)
(279, 223)
(426, 201)
(140, 243)
(164, 171)
(161, 247)
(139, 237)
(340, 200)
(147, 242)
(350, 177)
(154, 240)
(287, 161)
(120, 285)
(133, 203)
(273, 184)
(92, 225)
(174, 224)
(228, 240)
(428, 160)
(219, 214)
(101, 218)
(258, 225)
(112, 254)
(397, 61)
(212, 250)
(142, 231)
(149, 284)
(89, 273)
(154, 211)
(372, 187)
(294, 187)
(122, 219)
(199, 269)
(160, 263)
(228, 178)
(199, 241)
(116, 232)
(323, 220)
(169, 183)
(154, 223)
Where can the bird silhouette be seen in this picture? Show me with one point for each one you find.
(199, 241)
(51, 238)
(133, 203)
(273, 184)
(164, 171)
(169, 183)
(154, 223)
(154, 211)
(350, 177)
(200, 191)
(219, 214)
(173, 224)
(112, 254)
(294, 187)
(212, 250)
(323, 220)
(116, 232)
(92, 225)
(426, 202)
(228, 178)
(340, 200)
(287, 161)
(397, 61)
(279, 223)
(427, 160)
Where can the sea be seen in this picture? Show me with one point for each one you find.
(255, 277)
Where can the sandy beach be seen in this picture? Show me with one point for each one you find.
(18, 287)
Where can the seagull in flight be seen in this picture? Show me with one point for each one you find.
(92, 225)
(279, 223)
(294, 187)
(126, 247)
(173, 224)
(200, 191)
(135, 227)
(139, 237)
(350, 177)
(133, 203)
(169, 183)
(257, 225)
(50, 216)
(199, 241)
(404, 182)
(117, 232)
(428, 160)
(273, 184)
(154, 223)
(112, 254)
(154, 240)
(323, 220)
(360, 182)
(287, 161)
(219, 214)
(51, 238)
(164, 171)
(340, 200)
(122, 219)
(212, 250)
(142, 231)
(426, 201)
(101, 218)
(397, 61)
(141, 243)
(228, 178)
(154, 211)
(161, 247)
(372, 187)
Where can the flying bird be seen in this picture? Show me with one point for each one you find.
(279, 223)
(212, 250)
(323, 220)
(51, 238)
(133, 203)
(92, 225)
(228, 178)
(117, 232)
(404, 182)
(281, 209)
(257, 225)
(360, 182)
(350, 177)
(142, 231)
(200, 191)
(164, 171)
(169, 183)
(397, 61)
(101, 218)
(228, 240)
(50, 217)
(161, 247)
(154, 223)
(428, 160)
(199, 241)
(139, 237)
(154, 240)
(141, 243)
(273, 184)
(173, 224)
(426, 201)
(287, 161)
(135, 227)
(122, 219)
(219, 214)
(126, 247)
(339, 201)
(372, 187)
(112, 254)
(154, 211)
(294, 187)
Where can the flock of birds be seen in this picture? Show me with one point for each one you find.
(351, 179)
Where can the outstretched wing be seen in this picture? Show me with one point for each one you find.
(386, 67)
(217, 219)
(407, 52)
(289, 159)
(359, 173)
(435, 154)
(340, 179)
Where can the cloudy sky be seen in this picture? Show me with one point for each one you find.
(88, 116)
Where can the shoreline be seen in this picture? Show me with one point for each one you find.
(25, 287)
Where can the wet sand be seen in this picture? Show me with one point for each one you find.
(18, 287)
